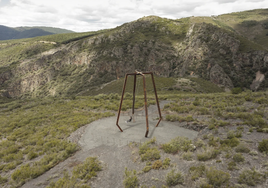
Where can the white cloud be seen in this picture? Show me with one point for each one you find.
(93, 15)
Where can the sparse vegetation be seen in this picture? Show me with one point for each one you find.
(226, 138)
(217, 178)
(251, 177)
(207, 154)
(238, 157)
(263, 146)
(157, 164)
(174, 178)
(81, 174)
(131, 179)
(177, 144)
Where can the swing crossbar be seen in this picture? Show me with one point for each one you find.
(135, 74)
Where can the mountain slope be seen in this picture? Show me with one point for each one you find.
(7, 33)
(53, 30)
(203, 47)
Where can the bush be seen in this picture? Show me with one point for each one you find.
(3, 180)
(233, 142)
(151, 154)
(131, 179)
(146, 169)
(166, 163)
(146, 145)
(197, 171)
(236, 90)
(238, 158)
(217, 178)
(88, 169)
(174, 178)
(207, 154)
(188, 156)
(31, 155)
(263, 146)
(250, 177)
(231, 165)
(157, 164)
(80, 174)
(176, 144)
(242, 148)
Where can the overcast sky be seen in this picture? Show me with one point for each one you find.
(92, 15)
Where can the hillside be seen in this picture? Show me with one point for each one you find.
(215, 48)
(43, 142)
(7, 33)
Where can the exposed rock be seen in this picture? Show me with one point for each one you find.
(219, 77)
(258, 80)
(166, 47)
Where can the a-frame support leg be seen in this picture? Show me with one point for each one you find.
(145, 106)
(134, 93)
(121, 102)
(157, 102)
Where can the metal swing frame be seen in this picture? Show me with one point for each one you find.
(145, 98)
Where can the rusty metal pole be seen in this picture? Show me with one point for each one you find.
(134, 92)
(145, 105)
(157, 102)
(121, 102)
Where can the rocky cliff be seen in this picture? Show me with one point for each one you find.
(169, 48)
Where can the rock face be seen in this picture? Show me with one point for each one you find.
(258, 80)
(166, 47)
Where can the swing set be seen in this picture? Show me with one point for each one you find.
(135, 74)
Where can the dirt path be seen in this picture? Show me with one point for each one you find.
(103, 139)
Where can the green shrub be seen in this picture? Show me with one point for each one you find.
(199, 143)
(66, 182)
(172, 118)
(3, 180)
(177, 144)
(242, 148)
(263, 146)
(31, 155)
(80, 175)
(207, 154)
(217, 178)
(236, 90)
(197, 171)
(188, 156)
(233, 142)
(157, 164)
(151, 154)
(231, 165)
(131, 179)
(238, 158)
(147, 169)
(251, 177)
(174, 178)
(213, 141)
(166, 163)
(146, 145)
(233, 134)
(87, 169)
